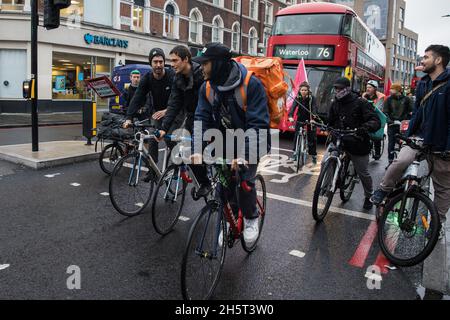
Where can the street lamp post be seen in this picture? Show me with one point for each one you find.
(34, 75)
(240, 29)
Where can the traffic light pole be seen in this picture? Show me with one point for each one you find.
(34, 76)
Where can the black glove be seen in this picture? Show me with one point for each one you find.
(361, 131)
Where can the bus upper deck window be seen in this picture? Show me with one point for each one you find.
(347, 25)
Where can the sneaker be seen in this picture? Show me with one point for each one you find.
(314, 160)
(220, 242)
(378, 197)
(203, 190)
(367, 204)
(251, 231)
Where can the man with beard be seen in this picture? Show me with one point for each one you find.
(155, 86)
(348, 112)
(430, 121)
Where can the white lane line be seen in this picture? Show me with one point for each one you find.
(52, 175)
(288, 150)
(75, 184)
(140, 204)
(128, 165)
(308, 204)
(105, 194)
(297, 253)
(183, 218)
(4, 266)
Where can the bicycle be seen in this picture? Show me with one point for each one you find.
(408, 221)
(171, 191)
(373, 154)
(112, 152)
(301, 146)
(130, 190)
(403, 128)
(337, 172)
(204, 255)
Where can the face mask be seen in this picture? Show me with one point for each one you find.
(343, 93)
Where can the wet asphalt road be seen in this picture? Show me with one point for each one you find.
(48, 225)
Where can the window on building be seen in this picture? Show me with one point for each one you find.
(253, 42)
(195, 26)
(218, 3)
(236, 6)
(217, 29)
(401, 18)
(269, 14)
(138, 15)
(75, 12)
(171, 20)
(267, 33)
(235, 33)
(13, 5)
(253, 11)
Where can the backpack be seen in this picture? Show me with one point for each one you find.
(270, 72)
(379, 134)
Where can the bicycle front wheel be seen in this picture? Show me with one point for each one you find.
(204, 256)
(408, 239)
(109, 156)
(348, 180)
(168, 200)
(131, 185)
(261, 198)
(323, 195)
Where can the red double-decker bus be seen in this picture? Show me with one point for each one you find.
(334, 42)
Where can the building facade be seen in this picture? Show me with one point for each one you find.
(97, 35)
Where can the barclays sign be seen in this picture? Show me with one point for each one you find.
(103, 40)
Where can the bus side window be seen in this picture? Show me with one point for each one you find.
(347, 25)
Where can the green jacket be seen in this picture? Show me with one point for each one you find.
(398, 108)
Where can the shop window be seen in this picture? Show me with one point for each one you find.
(69, 72)
(13, 5)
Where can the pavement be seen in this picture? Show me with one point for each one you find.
(17, 120)
(70, 222)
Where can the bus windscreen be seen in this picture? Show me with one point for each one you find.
(308, 24)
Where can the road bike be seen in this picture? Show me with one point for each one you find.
(218, 225)
(301, 145)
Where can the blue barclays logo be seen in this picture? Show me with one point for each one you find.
(103, 40)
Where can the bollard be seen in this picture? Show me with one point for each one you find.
(89, 121)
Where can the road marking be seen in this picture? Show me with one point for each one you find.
(297, 253)
(105, 194)
(75, 184)
(52, 175)
(140, 204)
(308, 204)
(4, 266)
(361, 253)
(183, 218)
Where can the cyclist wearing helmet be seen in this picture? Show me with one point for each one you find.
(377, 99)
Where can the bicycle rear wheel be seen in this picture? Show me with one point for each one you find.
(411, 241)
(261, 198)
(168, 200)
(109, 156)
(348, 180)
(203, 257)
(131, 185)
(323, 195)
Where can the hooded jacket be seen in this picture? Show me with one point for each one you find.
(352, 112)
(184, 97)
(432, 121)
(226, 113)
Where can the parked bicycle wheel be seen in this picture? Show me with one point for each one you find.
(323, 194)
(109, 156)
(131, 184)
(168, 200)
(348, 180)
(261, 198)
(203, 258)
(408, 240)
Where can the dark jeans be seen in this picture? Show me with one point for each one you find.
(311, 137)
(392, 131)
(245, 200)
(377, 147)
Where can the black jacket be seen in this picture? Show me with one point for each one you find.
(353, 112)
(308, 103)
(143, 94)
(128, 96)
(184, 97)
(398, 108)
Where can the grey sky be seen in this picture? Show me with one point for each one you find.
(425, 18)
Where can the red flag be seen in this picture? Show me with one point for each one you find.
(387, 88)
(300, 77)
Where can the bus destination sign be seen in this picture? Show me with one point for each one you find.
(305, 51)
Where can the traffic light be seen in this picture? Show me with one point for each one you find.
(51, 12)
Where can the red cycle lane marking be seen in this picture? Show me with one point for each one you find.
(381, 262)
(361, 253)
(391, 243)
